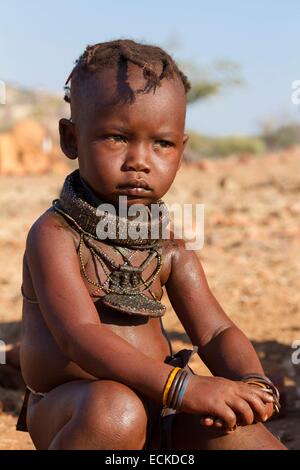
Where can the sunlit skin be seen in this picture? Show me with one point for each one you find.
(95, 363)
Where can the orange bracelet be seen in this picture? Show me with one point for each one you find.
(169, 382)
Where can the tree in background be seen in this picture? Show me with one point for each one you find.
(206, 81)
(211, 80)
(277, 136)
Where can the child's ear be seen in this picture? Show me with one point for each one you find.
(184, 142)
(68, 141)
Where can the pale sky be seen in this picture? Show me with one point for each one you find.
(40, 40)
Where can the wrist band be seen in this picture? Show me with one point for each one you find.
(182, 390)
(168, 384)
(177, 381)
(177, 389)
(172, 390)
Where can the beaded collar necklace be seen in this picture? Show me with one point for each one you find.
(124, 288)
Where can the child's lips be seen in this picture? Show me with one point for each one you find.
(134, 191)
(135, 188)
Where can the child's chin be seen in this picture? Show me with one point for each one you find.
(139, 200)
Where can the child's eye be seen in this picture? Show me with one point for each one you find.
(115, 138)
(164, 143)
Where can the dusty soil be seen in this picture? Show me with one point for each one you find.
(250, 255)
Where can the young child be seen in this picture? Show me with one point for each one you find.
(98, 365)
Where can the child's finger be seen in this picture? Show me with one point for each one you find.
(254, 390)
(207, 421)
(210, 421)
(242, 408)
(227, 415)
(261, 402)
(218, 423)
(266, 395)
(259, 407)
(269, 410)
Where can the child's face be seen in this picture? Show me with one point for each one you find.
(123, 147)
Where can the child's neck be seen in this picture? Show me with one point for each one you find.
(79, 204)
(90, 195)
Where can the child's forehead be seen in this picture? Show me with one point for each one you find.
(106, 91)
(118, 80)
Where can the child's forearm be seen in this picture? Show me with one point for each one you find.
(230, 354)
(104, 354)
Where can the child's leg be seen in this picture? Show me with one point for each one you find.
(101, 414)
(188, 434)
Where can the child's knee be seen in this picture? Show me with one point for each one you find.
(114, 412)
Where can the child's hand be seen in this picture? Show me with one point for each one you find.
(225, 402)
(218, 423)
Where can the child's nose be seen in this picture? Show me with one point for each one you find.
(137, 158)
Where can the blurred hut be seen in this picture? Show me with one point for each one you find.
(28, 148)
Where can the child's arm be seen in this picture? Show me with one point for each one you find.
(221, 345)
(75, 325)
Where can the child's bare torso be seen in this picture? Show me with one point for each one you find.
(44, 366)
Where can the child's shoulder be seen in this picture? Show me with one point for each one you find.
(174, 253)
(51, 228)
(174, 246)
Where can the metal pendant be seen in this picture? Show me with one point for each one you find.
(124, 293)
(138, 304)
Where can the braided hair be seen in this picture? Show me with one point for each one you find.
(116, 54)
